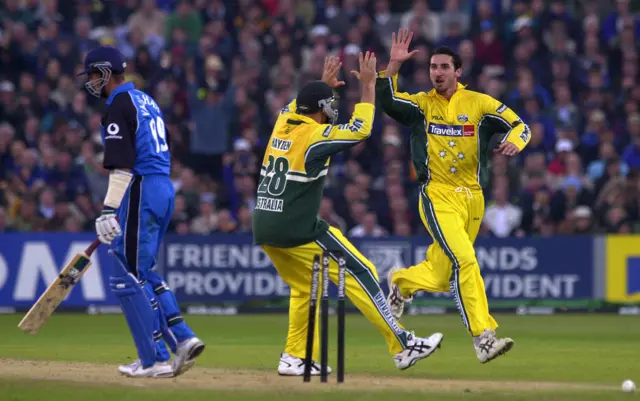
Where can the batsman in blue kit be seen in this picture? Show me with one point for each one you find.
(136, 213)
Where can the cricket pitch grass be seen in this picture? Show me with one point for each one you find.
(561, 357)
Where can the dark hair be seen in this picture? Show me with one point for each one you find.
(457, 61)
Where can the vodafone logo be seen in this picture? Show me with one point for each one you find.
(112, 131)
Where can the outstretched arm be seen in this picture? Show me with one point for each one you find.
(328, 140)
(331, 139)
(402, 107)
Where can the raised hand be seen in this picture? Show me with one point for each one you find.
(332, 66)
(400, 46)
(367, 73)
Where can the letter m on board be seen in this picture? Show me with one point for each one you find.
(633, 275)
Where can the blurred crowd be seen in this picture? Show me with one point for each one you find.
(222, 69)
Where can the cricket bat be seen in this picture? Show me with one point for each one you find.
(57, 291)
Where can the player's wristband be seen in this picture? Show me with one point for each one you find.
(118, 183)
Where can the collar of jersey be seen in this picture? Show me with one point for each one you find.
(125, 87)
(300, 117)
(433, 92)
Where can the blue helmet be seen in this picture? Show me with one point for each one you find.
(105, 60)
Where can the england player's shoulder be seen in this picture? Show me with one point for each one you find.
(144, 102)
(122, 103)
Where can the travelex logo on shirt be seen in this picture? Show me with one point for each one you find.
(623, 268)
(450, 130)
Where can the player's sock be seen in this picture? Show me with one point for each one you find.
(139, 314)
(170, 309)
(161, 332)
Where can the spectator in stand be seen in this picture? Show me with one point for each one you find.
(211, 110)
(184, 18)
(427, 22)
(245, 224)
(206, 221)
(46, 208)
(150, 19)
(597, 168)
(579, 222)
(368, 227)
(4, 227)
(328, 214)
(26, 217)
(502, 218)
(488, 49)
(226, 223)
(386, 23)
(631, 154)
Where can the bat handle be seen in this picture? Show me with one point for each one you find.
(94, 245)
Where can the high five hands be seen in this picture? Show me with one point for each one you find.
(400, 46)
(399, 51)
(367, 74)
(332, 66)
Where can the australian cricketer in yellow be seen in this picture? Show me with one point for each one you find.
(286, 223)
(451, 128)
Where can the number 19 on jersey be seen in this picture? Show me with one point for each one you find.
(159, 134)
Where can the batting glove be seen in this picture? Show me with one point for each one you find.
(107, 226)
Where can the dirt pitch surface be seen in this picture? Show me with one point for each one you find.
(211, 379)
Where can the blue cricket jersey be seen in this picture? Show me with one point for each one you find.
(134, 134)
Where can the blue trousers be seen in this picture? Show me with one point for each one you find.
(144, 216)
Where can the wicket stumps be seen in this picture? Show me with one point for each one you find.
(321, 265)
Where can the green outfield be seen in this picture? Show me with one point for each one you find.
(561, 357)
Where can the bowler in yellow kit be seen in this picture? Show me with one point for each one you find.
(286, 223)
(451, 132)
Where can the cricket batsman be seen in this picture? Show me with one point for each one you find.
(451, 131)
(286, 223)
(136, 213)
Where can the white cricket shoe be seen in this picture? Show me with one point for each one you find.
(395, 299)
(489, 347)
(186, 355)
(158, 370)
(292, 366)
(417, 349)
